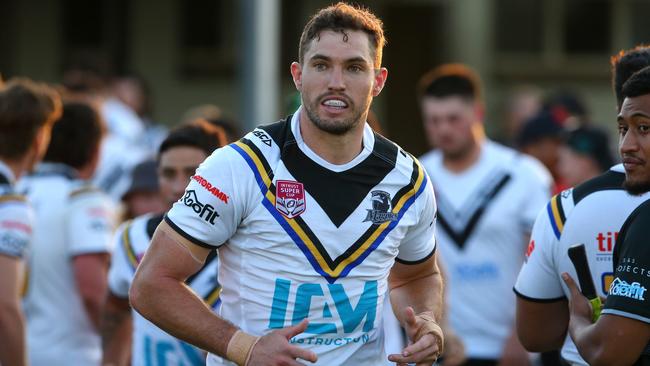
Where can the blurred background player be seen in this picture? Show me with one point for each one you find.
(134, 91)
(591, 213)
(91, 78)
(179, 156)
(69, 263)
(215, 116)
(143, 195)
(584, 155)
(488, 197)
(542, 137)
(27, 112)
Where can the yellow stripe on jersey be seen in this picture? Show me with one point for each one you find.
(304, 238)
(25, 288)
(128, 248)
(556, 213)
(13, 197)
(212, 297)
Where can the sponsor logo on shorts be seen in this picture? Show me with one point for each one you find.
(210, 188)
(381, 208)
(290, 198)
(205, 211)
(632, 290)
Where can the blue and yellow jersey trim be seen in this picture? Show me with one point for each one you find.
(131, 256)
(556, 215)
(212, 298)
(304, 238)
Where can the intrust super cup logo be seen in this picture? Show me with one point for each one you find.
(289, 198)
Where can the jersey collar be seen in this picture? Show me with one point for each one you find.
(368, 145)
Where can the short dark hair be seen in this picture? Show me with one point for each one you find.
(450, 80)
(638, 84)
(25, 107)
(76, 136)
(339, 18)
(200, 134)
(624, 64)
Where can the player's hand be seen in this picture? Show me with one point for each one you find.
(274, 348)
(454, 352)
(579, 305)
(425, 349)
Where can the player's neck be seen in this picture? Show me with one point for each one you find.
(335, 149)
(461, 162)
(18, 166)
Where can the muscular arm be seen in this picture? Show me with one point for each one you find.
(12, 323)
(116, 331)
(598, 345)
(160, 294)
(542, 326)
(612, 340)
(418, 286)
(90, 273)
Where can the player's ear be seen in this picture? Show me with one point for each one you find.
(380, 80)
(296, 73)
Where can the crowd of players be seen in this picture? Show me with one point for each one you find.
(86, 177)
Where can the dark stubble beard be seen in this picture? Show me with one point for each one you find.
(332, 126)
(636, 188)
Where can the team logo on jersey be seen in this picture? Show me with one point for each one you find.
(381, 208)
(205, 211)
(632, 290)
(290, 198)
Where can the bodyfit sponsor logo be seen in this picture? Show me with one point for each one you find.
(632, 290)
(205, 211)
(381, 208)
(290, 198)
(13, 244)
(605, 244)
(210, 188)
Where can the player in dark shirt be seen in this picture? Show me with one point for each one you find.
(621, 335)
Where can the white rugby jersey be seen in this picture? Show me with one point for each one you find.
(485, 215)
(151, 345)
(16, 217)
(300, 238)
(71, 219)
(592, 214)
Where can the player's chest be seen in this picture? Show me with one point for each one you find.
(334, 227)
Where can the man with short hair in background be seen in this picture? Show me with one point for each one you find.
(69, 263)
(488, 196)
(28, 111)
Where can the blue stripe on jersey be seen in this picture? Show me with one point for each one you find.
(298, 240)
